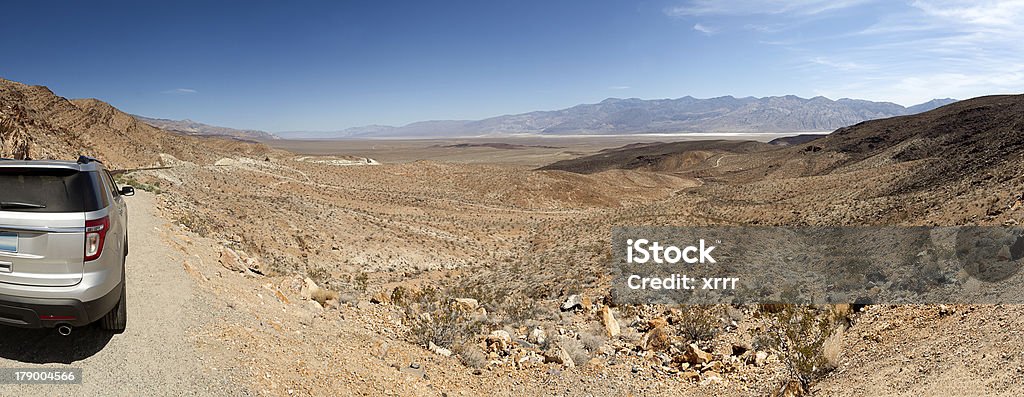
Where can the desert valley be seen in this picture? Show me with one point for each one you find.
(478, 266)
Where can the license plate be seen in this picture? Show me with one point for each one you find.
(8, 242)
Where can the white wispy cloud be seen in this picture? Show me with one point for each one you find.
(755, 7)
(841, 65)
(619, 87)
(705, 29)
(180, 91)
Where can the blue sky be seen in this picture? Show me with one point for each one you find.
(304, 65)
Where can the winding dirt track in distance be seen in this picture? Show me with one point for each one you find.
(155, 355)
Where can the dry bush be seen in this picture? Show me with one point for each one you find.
(807, 338)
(593, 337)
(322, 295)
(471, 355)
(439, 320)
(699, 323)
(575, 348)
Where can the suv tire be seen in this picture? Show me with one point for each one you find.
(117, 319)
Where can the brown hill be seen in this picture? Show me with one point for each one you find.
(36, 123)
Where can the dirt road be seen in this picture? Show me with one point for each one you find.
(155, 356)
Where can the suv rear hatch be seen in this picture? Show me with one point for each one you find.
(42, 224)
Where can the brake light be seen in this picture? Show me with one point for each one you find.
(95, 234)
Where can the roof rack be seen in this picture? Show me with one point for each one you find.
(88, 159)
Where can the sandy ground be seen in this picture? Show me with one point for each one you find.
(155, 355)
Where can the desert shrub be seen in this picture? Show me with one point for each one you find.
(323, 295)
(699, 323)
(127, 180)
(471, 355)
(575, 348)
(809, 339)
(439, 320)
(198, 224)
(593, 337)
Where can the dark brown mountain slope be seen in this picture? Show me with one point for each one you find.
(36, 123)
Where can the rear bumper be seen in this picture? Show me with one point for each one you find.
(50, 312)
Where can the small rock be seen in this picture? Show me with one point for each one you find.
(468, 303)
(690, 375)
(694, 355)
(538, 336)
(499, 341)
(231, 260)
(315, 306)
(572, 303)
(308, 288)
(611, 326)
(439, 350)
(760, 358)
(712, 376)
(565, 357)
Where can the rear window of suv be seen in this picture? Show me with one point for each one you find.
(49, 190)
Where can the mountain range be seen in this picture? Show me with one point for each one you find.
(189, 127)
(634, 116)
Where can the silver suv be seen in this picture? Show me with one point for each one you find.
(63, 245)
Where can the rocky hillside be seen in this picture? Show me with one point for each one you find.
(686, 114)
(189, 127)
(36, 123)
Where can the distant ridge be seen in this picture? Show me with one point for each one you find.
(633, 116)
(189, 127)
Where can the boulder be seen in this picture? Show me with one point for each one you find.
(439, 350)
(231, 260)
(694, 355)
(611, 326)
(308, 288)
(573, 302)
(499, 341)
(564, 356)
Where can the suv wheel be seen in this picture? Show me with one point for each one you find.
(117, 319)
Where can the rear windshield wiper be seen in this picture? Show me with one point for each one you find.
(19, 204)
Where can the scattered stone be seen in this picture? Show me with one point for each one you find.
(655, 339)
(308, 288)
(694, 355)
(564, 356)
(538, 336)
(439, 350)
(611, 326)
(572, 303)
(231, 260)
(760, 358)
(499, 341)
(712, 376)
(468, 303)
(690, 375)
(315, 306)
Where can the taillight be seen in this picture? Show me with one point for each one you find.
(95, 234)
